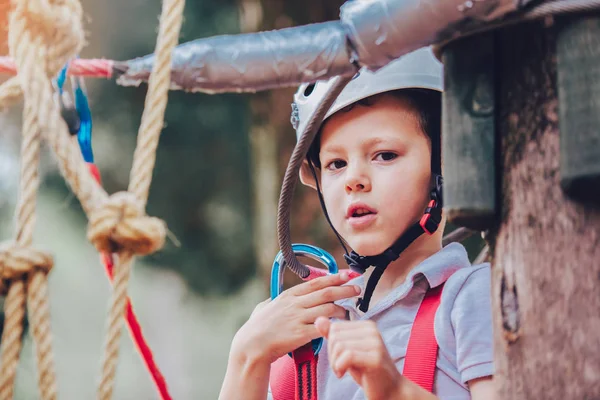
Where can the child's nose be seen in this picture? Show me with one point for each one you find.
(355, 187)
(357, 182)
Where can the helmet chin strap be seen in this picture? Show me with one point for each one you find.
(428, 223)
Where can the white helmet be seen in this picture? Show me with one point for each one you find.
(418, 69)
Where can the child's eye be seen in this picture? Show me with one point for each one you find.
(336, 164)
(386, 156)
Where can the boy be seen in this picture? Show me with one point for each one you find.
(376, 163)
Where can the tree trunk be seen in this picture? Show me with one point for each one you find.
(546, 250)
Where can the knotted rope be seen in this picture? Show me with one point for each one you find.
(17, 262)
(133, 233)
(43, 34)
(118, 223)
(17, 265)
(121, 225)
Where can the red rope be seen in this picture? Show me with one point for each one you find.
(91, 68)
(132, 322)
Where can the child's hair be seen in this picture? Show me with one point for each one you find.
(428, 104)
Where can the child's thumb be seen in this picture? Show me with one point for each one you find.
(322, 324)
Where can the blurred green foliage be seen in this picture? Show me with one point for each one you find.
(201, 183)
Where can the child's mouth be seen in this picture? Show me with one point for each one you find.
(361, 212)
(362, 221)
(360, 215)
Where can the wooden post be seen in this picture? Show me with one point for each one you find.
(468, 139)
(546, 249)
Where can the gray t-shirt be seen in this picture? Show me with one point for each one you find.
(463, 325)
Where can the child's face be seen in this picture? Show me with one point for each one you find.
(375, 172)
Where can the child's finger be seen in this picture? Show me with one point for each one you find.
(320, 283)
(328, 310)
(328, 295)
(352, 358)
(344, 330)
(323, 324)
(336, 348)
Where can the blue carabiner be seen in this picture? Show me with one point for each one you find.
(62, 77)
(84, 132)
(84, 136)
(278, 268)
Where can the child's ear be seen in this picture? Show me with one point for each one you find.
(306, 175)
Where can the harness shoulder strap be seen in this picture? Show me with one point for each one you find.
(422, 349)
(306, 372)
(295, 378)
(283, 379)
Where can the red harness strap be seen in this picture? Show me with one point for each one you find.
(306, 372)
(283, 379)
(422, 349)
(297, 379)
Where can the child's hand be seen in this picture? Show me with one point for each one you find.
(356, 347)
(286, 323)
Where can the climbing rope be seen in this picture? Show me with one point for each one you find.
(90, 68)
(290, 178)
(43, 36)
(120, 225)
(78, 115)
(38, 30)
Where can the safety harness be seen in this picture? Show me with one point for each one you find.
(296, 377)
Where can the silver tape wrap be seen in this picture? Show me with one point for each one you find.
(370, 33)
(383, 30)
(252, 62)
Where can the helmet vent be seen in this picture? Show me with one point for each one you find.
(309, 89)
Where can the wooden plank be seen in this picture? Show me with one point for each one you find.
(578, 56)
(468, 132)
